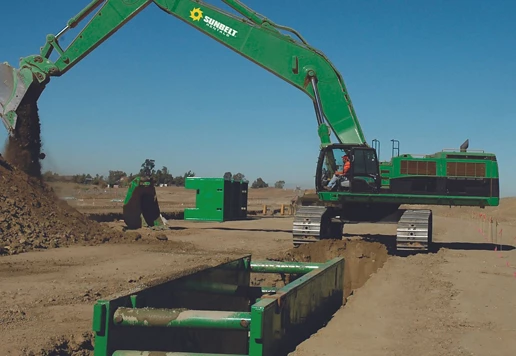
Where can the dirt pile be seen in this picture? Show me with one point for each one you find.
(362, 258)
(33, 217)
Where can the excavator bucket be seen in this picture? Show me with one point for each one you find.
(141, 201)
(13, 87)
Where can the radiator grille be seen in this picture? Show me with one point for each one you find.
(418, 168)
(466, 169)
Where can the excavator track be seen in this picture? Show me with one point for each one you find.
(414, 231)
(314, 223)
(307, 224)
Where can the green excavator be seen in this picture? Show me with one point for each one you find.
(371, 191)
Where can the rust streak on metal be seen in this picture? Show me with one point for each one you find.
(147, 316)
(278, 296)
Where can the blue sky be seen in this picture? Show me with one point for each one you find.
(427, 73)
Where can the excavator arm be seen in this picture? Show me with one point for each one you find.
(252, 36)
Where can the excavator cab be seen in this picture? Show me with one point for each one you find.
(363, 176)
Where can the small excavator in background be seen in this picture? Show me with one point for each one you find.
(374, 190)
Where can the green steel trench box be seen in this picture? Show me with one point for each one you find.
(216, 311)
(217, 199)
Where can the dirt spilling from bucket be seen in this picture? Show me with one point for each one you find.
(362, 259)
(31, 215)
(23, 150)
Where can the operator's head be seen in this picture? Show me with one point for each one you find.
(345, 158)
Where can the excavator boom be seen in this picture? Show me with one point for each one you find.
(253, 36)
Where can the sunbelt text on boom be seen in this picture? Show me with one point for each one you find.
(196, 14)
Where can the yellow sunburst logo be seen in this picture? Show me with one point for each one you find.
(196, 14)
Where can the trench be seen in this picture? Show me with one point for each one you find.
(362, 259)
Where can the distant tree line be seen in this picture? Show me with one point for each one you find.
(147, 168)
(258, 183)
(121, 178)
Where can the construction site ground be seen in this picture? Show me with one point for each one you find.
(457, 300)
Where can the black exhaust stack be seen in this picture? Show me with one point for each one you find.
(464, 146)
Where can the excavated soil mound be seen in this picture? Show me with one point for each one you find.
(362, 258)
(32, 216)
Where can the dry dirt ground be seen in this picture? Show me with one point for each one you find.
(458, 300)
